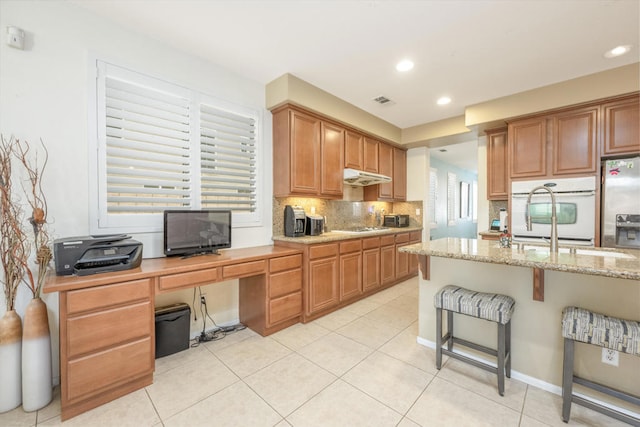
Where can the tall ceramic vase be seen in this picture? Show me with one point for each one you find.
(10, 361)
(37, 387)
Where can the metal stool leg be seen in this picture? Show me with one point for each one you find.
(438, 338)
(450, 330)
(508, 349)
(501, 356)
(567, 379)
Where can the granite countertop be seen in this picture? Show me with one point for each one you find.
(333, 236)
(618, 263)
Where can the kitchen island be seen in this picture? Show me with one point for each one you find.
(605, 281)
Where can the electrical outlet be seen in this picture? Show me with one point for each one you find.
(418, 212)
(202, 299)
(610, 357)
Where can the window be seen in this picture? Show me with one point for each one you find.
(162, 146)
(453, 204)
(433, 197)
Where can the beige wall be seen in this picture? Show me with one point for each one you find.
(536, 326)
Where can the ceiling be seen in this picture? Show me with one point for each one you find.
(470, 50)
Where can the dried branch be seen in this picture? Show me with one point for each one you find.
(14, 249)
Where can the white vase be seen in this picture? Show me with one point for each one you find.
(37, 386)
(10, 361)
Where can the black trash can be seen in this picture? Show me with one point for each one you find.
(172, 329)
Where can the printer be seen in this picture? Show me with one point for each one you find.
(96, 254)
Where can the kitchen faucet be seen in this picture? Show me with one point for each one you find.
(554, 219)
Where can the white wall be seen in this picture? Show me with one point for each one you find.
(418, 160)
(44, 92)
(483, 203)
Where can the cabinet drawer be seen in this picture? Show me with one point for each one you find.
(371, 242)
(402, 238)
(96, 373)
(189, 279)
(285, 308)
(107, 328)
(244, 269)
(108, 295)
(322, 251)
(285, 263)
(415, 236)
(285, 283)
(350, 246)
(387, 240)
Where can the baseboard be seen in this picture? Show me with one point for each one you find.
(536, 382)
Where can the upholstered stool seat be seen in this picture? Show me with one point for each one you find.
(582, 325)
(491, 307)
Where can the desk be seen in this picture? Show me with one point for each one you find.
(107, 323)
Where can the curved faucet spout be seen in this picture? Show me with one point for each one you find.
(554, 219)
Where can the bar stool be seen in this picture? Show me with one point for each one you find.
(582, 325)
(492, 307)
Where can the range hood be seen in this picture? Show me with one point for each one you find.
(362, 178)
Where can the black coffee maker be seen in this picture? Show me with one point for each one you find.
(294, 221)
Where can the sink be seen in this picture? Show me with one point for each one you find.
(356, 230)
(579, 251)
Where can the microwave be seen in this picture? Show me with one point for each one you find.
(394, 220)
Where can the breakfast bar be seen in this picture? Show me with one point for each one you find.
(603, 280)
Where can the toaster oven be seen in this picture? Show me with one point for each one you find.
(395, 220)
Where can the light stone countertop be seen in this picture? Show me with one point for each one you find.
(333, 236)
(618, 263)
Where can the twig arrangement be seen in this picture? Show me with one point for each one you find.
(14, 248)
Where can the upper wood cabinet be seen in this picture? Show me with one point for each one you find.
(527, 147)
(399, 174)
(385, 167)
(354, 150)
(392, 162)
(308, 155)
(575, 142)
(370, 155)
(497, 165)
(621, 127)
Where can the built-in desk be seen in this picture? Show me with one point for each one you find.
(107, 337)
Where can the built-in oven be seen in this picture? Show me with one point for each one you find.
(575, 210)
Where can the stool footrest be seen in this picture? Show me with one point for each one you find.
(475, 346)
(608, 390)
(606, 411)
(471, 361)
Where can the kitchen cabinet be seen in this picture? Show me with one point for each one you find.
(370, 263)
(621, 127)
(350, 269)
(323, 281)
(385, 167)
(370, 155)
(527, 148)
(399, 176)
(497, 165)
(284, 299)
(308, 154)
(99, 327)
(574, 142)
(392, 162)
(387, 259)
(402, 258)
(354, 151)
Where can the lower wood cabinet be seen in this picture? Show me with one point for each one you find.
(402, 258)
(350, 269)
(387, 259)
(370, 264)
(323, 282)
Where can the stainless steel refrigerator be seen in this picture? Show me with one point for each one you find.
(620, 227)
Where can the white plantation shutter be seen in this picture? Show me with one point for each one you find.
(163, 146)
(228, 160)
(147, 149)
(453, 203)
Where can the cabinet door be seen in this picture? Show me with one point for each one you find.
(305, 153)
(387, 264)
(399, 174)
(527, 148)
(402, 263)
(385, 167)
(497, 165)
(332, 159)
(350, 275)
(622, 127)
(353, 150)
(575, 142)
(323, 284)
(370, 269)
(370, 155)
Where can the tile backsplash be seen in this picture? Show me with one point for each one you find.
(342, 214)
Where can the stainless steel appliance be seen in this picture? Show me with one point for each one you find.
(395, 220)
(294, 221)
(315, 225)
(620, 226)
(362, 178)
(575, 210)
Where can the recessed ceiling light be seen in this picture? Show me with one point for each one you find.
(404, 65)
(617, 51)
(444, 100)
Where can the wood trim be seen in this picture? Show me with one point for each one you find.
(424, 261)
(538, 284)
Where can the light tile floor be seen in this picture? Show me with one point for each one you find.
(359, 366)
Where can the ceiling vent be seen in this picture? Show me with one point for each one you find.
(383, 100)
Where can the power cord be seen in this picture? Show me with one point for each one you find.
(218, 332)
